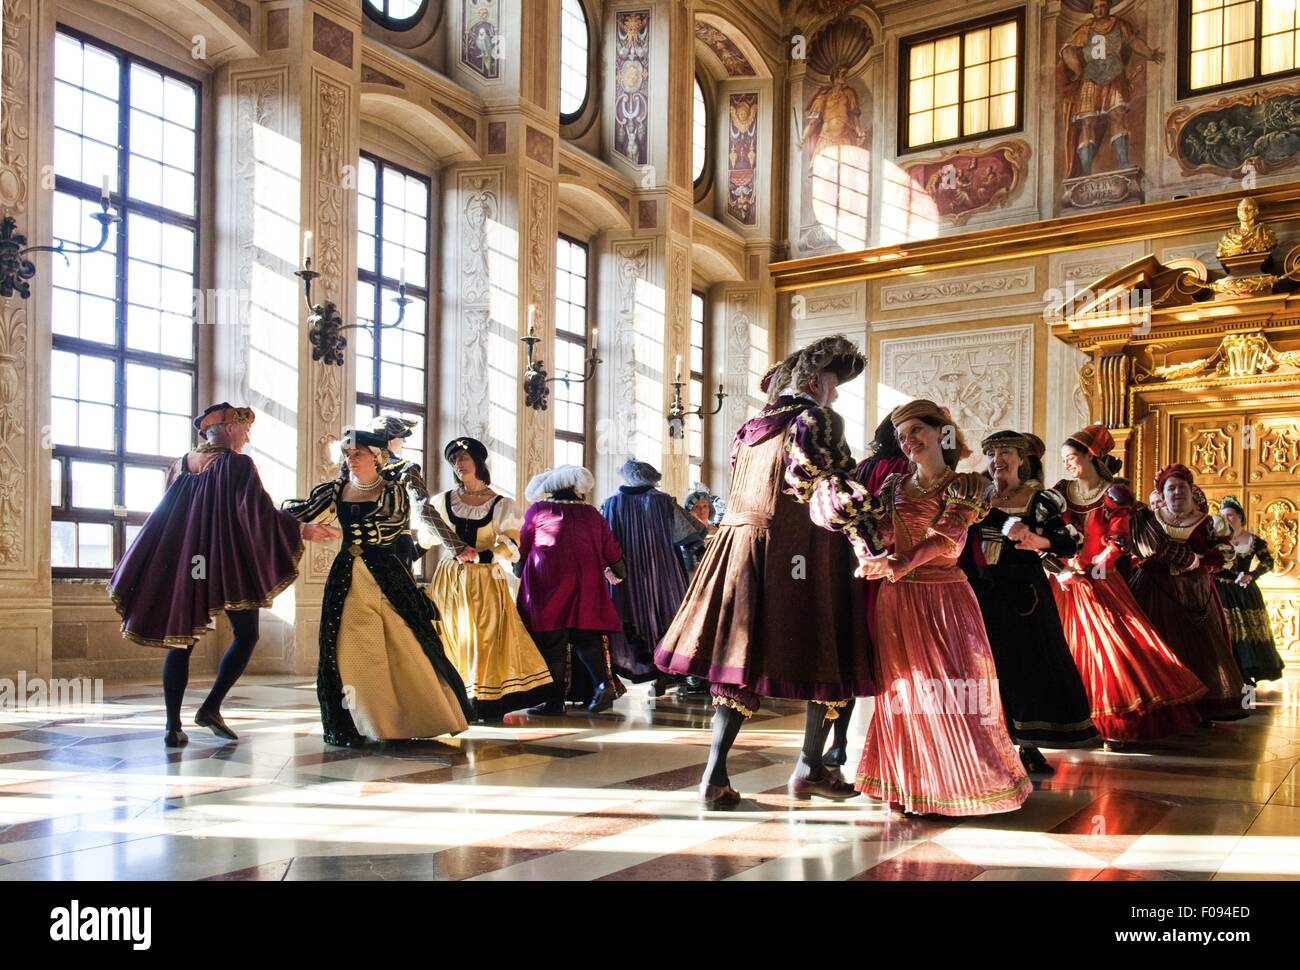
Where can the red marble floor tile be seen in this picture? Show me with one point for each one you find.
(1109, 825)
(719, 858)
(928, 861)
(468, 861)
(1110, 874)
(688, 776)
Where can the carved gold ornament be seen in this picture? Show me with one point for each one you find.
(1279, 526)
(1238, 355)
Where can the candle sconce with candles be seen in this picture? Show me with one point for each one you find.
(326, 326)
(535, 380)
(16, 269)
(677, 412)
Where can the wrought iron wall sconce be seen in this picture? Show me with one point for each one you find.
(535, 380)
(677, 413)
(326, 326)
(16, 269)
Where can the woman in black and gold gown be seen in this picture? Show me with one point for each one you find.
(382, 672)
(1238, 582)
(1040, 686)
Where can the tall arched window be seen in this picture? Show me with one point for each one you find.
(396, 14)
(699, 134)
(574, 42)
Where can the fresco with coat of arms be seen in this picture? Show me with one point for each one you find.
(742, 157)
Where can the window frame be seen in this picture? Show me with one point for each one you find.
(388, 22)
(702, 377)
(701, 182)
(905, 45)
(1185, 89)
(573, 437)
(572, 116)
(372, 397)
(119, 353)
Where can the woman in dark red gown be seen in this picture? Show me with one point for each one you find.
(1137, 688)
(1174, 585)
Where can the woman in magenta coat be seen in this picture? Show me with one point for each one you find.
(568, 557)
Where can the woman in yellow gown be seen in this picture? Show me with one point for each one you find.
(478, 622)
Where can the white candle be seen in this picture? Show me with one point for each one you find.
(720, 381)
(595, 332)
(678, 371)
(306, 245)
(103, 192)
(401, 277)
(532, 320)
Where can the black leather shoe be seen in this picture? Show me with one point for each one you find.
(825, 785)
(718, 798)
(1034, 762)
(175, 739)
(603, 700)
(549, 709)
(215, 723)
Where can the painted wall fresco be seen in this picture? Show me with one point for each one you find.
(833, 137)
(1101, 80)
(730, 56)
(480, 48)
(632, 85)
(960, 183)
(742, 157)
(1256, 130)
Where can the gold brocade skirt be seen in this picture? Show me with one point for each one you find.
(482, 632)
(391, 689)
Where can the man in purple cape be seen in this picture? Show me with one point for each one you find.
(648, 525)
(215, 542)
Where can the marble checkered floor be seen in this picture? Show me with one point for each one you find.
(92, 794)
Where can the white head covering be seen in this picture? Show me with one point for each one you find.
(556, 479)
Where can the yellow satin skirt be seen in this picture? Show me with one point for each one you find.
(390, 688)
(482, 633)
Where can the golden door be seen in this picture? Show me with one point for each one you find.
(1254, 455)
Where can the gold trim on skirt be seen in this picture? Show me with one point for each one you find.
(482, 632)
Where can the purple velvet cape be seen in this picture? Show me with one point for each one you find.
(648, 525)
(249, 551)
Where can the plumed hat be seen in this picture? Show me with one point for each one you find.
(391, 426)
(836, 353)
(639, 473)
(557, 479)
(223, 413)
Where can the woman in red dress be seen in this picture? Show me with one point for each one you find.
(1138, 689)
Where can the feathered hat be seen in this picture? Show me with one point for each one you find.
(391, 426)
(557, 479)
(639, 473)
(835, 353)
(223, 413)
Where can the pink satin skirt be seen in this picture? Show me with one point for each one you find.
(938, 741)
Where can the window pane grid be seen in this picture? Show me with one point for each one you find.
(963, 85)
(1234, 41)
(122, 368)
(695, 429)
(573, 58)
(571, 339)
(392, 238)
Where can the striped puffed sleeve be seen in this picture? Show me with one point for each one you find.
(819, 473)
(318, 507)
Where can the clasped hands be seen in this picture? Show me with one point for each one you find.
(311, 532)
(887, 565)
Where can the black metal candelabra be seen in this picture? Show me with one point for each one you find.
(535, 380)
(677, 412)
(326, 326)
(16, 269)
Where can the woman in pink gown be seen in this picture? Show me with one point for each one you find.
(937, 742)
(1137, 688)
